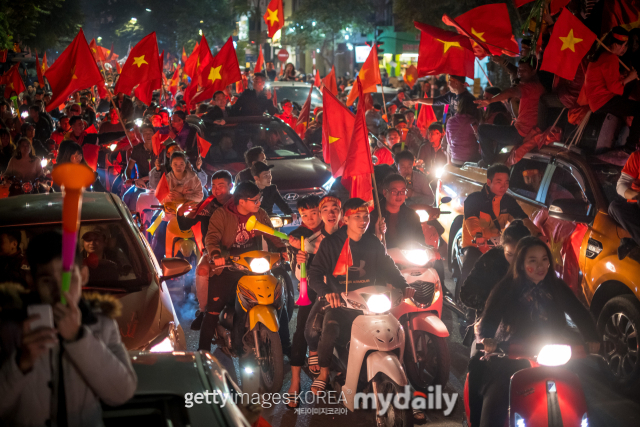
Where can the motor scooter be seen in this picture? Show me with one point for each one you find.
(546, 394)
(373, 357)
(426, 355)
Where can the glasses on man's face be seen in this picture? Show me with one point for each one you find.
(398, 192)
(255, 201)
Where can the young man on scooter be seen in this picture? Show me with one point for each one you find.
(371, 265)
(418, 189)
(227, 231)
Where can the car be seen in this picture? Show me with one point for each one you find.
(167, 386)
(296, 92)
(297, 171)
(129, 271)
(389, 94)
(569, 198)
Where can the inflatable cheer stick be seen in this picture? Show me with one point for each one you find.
(304, 296)
(73, 179)
(253, 224)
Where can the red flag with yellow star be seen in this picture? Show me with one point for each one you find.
(490, 25)
(142, 66)
(218, 72)
(13, 82)
(274, 17)
(191, 64)
(144, 91)
(73, 70)
(337, 129)
(173, 83)
(184, 56)
(569, 43)
(443, 51)
(304, 116)
(43, 65)
(96, 51)
(39, 71)
(369, 76)
(411, 75)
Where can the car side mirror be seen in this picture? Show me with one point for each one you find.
(174, 267)
(316, 149)
(570, 210)
(445, 200)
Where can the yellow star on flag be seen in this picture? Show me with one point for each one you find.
(448, 45)
(73, 73)
(273, 16)
(11, 85)
(139, 60)
(479, 36)
(93, 49)
(569, 42)
(409, 78)
(332, 139)
(214, 74)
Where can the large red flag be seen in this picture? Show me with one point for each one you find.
(13, 82)
(90, 153)
(444, 51)
(142, 66)
(426, 116)
(260, 61)
(191, 65)
(345, 260)
(39, 71)
(519, 3)
(330, 83)
(337, 130)
(570, 41)
(173, 83)
(369, 76)
(218, 72)
(73, 70)
(274, 17)
(411, 76)
(620, 12)
(489, 24)
(303, 117)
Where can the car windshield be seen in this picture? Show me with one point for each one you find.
(229, 142)
(298, 95)
(107, 249)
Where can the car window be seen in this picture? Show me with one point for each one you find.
(107, 249)
(566, 191)
(229, 142)
(298, 95)
(526, 177)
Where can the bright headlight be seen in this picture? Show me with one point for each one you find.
(44, 162)
(424, 216)
(259, 265)
(138, 122)
(416, 256)
(439, 172)
(113, 146)
(327, 185)
(276, 222)
(164, 346)
(379, 303)
(554, 355)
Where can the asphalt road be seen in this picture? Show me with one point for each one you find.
(607, 407)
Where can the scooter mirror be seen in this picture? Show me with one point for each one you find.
(445, 200)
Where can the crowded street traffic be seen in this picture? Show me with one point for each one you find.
(309, 213)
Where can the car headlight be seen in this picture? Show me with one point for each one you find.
(276, 222)
(112, 147)
(379, 303)
(164, 346)
(424, 216)
(439, 172)
(554, 355)
(259, 265)
(327, 185)
(418, 257)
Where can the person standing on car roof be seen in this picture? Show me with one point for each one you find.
(270, 195)
(486, 213)
(254, 102)
(458, 91)
(251, 156)
(626, 211)
(218, 112)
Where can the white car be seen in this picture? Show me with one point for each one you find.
(296, 92)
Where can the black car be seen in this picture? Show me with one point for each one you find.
(297, 171)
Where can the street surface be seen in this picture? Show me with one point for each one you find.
(607, 407)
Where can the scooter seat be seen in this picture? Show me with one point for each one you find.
(226, 317)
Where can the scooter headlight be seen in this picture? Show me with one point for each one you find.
(424, 216)
(417, 257)
(439, 172)
(259, 265)
(164, 346)
(44, 162)
(554, 355)
(276, 222)
(379, 303)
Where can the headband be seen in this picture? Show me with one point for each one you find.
(361, 209)
(620, 37)
(329, 199)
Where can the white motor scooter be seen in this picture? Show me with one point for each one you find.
(373, 357)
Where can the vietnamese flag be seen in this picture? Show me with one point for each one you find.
(90, 155)
(13, 82)
(411, 76)
(337, 130)
(162, 190)
(173, 83)
(260, 61)
(72, 71)
(443, 51)
(274, 17)
(369, 76)
(570, 41)
(217, 73)
(184, 56)
(345, 260)
(142, 66)
(96, 51)
(489, 24)
(44, 66)
(39, 71)
(329, 81)
(191, 64)
(303, 117)
(144, 91)
(203, 146)
(426, 116)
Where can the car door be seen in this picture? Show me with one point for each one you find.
(527, 182)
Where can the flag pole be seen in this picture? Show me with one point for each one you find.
(375, 193)
(384, 102)
(484, 72)
(120, 118)
(347, 275)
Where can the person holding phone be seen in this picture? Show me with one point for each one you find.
(58, 362)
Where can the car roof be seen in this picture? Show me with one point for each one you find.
(35, 209)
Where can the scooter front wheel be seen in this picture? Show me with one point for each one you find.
(394, 417)
(272, 359)
(433, 361)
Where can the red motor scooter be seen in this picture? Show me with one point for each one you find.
(545, 395)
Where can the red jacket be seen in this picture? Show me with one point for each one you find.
(603, 80)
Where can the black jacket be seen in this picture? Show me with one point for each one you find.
(215, 113)
(252, 104)
(409, 228)
(203, 218)
(490, 269)
(371, 265)
(271, 196)
(244, 175)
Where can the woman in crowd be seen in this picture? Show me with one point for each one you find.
(72, 153)
(463, 144)
(24, 164)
